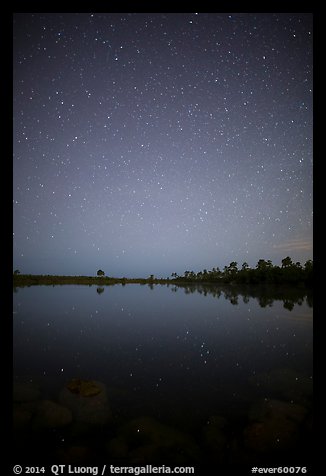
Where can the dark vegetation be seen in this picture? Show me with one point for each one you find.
(264, 272)
(289, 273)
(41, 279)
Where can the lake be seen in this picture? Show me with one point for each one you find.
(136, 374)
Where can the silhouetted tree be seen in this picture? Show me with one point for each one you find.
(286, 262)
(231, 270)
(100, 273)
(233, 267)
(308, 271)
(264, 272)
(308, 265)
(263, 264)
(16, 272)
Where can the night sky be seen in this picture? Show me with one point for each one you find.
(152, 143)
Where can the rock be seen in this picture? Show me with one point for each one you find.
(148, 440)
(75, 455)
(31, 406)
(117, 447)
(277, 409)
(84, 388)
(214, 438)
(285, 383)
(26, 391)
(271, 435)
(275, 426)
(51, 415)
(217, 421)
(87, 401)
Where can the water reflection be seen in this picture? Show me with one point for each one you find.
(175, 375)
(265, 295)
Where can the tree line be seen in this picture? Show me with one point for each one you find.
(264, 272)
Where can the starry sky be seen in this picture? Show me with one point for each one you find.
(152, 143)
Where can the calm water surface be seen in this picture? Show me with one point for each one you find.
(219, 367)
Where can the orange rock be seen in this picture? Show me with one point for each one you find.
(85, 388)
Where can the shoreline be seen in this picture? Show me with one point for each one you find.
(22, 280)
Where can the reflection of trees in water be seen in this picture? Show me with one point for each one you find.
(100, 290)
(265, 301)
(265, 295)
(288, 304)
(234, 300)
